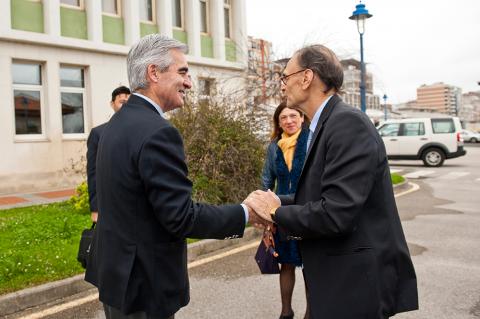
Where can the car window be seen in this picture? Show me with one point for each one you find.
(413, 129)
(441, 126)
(389, 129)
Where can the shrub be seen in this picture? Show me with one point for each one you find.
(80, 199)
(224, 155)
(397, 179)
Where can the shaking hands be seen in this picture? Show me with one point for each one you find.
(261, 206)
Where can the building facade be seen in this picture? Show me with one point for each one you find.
(61, 59)
(469, 112)
(351, 86)
(439, 97)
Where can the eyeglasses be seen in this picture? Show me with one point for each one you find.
(284, 77)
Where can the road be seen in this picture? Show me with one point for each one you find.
(442, 226)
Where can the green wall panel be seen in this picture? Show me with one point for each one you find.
(27, 15)
(146, 29)
(113, 30)
(230, 50)
(180, 36)
(73, 23)
(207, 46)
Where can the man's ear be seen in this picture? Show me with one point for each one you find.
(307, 79)
(152, 73)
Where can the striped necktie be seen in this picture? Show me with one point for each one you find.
(309, 139)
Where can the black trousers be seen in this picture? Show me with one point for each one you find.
(114, 313)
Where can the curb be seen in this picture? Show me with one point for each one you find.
(31, 297)
(397, 188)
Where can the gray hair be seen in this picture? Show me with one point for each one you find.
(151, 49)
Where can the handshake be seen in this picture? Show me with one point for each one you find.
(261, 206)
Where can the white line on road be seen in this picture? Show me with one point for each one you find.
(454, 175)
(395, 170)
(225, 254)
(62, 307)
(418, 174)
(414, 188)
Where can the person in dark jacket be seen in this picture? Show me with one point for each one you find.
(283, 165)
(119, 97)
(138, 259)
(354, 253)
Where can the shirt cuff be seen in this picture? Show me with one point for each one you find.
(245, 210)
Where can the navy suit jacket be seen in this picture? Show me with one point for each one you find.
(139, 253)
(92, 145)
(356, 260)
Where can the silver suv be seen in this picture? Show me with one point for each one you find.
(430, 139)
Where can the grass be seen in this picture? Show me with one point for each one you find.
(397, 179)
(39, 244)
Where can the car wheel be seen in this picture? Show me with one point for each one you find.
(433, 157)
(473, 140)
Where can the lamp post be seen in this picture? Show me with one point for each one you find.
(360, 15)
(385, 105)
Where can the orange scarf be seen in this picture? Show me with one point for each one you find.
(287, 145)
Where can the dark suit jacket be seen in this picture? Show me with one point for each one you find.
(356, 260)
(139, 258)
(92, 145)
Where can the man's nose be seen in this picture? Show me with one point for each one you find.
(188, 83)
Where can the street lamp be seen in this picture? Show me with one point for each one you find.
(360, 15)
(385, 105)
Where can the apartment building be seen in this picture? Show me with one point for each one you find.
(439, 97)
(60, 60)
(351, 86)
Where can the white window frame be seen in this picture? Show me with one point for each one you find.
(207, 17)
(83, 90)
(154, 14)
(182, 16)
(119, 10)
(227, 5)
(81, 5)
(30, 137)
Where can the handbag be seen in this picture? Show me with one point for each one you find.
(266, 257)
(85, 244)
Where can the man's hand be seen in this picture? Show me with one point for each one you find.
(263, 203)
(94, 216)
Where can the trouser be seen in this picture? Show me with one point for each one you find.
(114, 313)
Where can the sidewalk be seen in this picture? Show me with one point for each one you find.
(29, 199)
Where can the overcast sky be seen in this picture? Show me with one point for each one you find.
(406, 43)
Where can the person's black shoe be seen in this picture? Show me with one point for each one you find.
(290, 316)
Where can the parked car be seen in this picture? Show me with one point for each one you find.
(431, 140)
(469, 136)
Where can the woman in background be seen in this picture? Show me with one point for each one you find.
(283, 166)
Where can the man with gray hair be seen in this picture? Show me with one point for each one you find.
(139, 253)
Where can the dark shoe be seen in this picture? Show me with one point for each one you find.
(287, 316)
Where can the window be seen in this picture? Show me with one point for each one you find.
(203, 16)
(111, 7)
(177, 20)
(73, 3)
(72, 92)
(441, 126)
(389, 129)
(413, 129)
(226, 14)
(27, 98)
(147, 10)
(206, 88)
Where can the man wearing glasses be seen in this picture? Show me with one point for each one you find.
(355, 257)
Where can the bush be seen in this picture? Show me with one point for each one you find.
(224, 155)
(80, 200)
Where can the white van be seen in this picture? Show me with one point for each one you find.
(430, 139)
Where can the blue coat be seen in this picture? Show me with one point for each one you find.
(276, 170)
